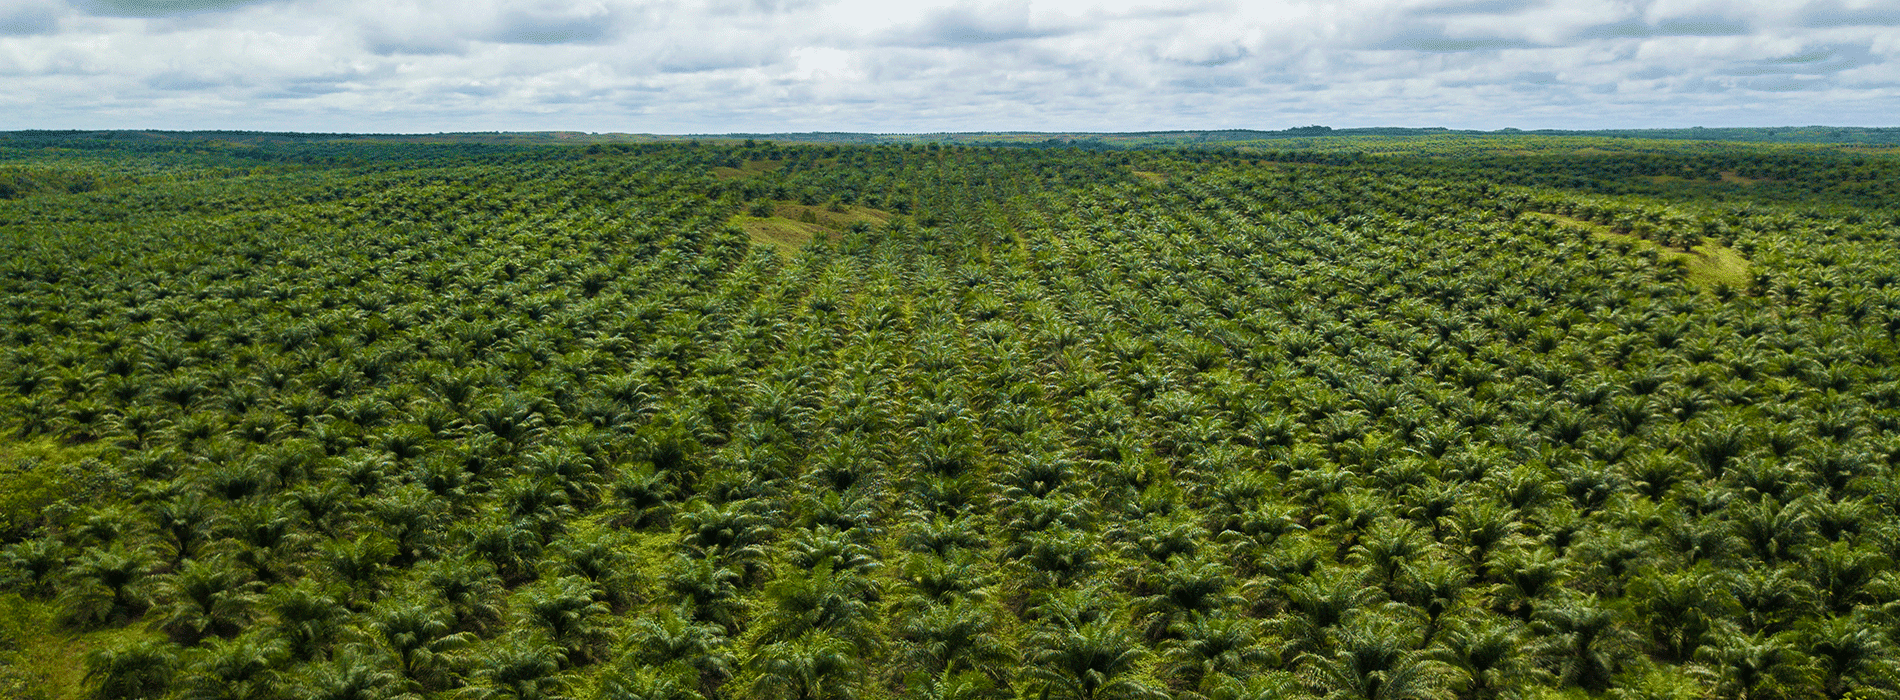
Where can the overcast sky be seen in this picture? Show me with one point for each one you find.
(709, 66)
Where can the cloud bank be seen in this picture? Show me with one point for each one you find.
(705, 66)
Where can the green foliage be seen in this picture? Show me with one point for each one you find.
(300, 417)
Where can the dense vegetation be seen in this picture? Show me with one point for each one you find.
(446, 421)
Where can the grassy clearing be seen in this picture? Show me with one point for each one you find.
(41, 659)
(791, 225)
(1712, 263)
(37, 473)
(1728, 177)
(746, 169)
(1706, 265)
(1150, 177)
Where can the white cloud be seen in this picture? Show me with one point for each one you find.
(791, 65)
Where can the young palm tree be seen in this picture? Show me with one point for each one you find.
(245, 668)
(815, 666)
(1754, 667)
(423, 639)
(31, 565)
(1095, 661)
(1487, 659)
(348, 677)
(1215, 647)
(956, 635)
(668, 638)
(838, 603)
(1318, 604)
(138, 672)
(1850, 654)
(1369, 661)
(567, 610)
(308, 618)
(1185, 589)
(637, 682)
(1679, 610)
(520, 668)
(706, 590)
(1582, 643)
(108, 586)
(204, 598)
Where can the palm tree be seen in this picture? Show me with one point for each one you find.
(1486, 658)
(31, 564)
(184, 519)
(142, 671)
(1678, 609)
(1754, 667)
(1210, 647)
(423, 638)
(948, 685)
(469, 590)
(520, 668)
(107, 586)
(1526, 579)
(1095, 661)
(1849, 653)
(1582, 644)
(567, 610)
(1183, 590)
(360, 563)
(815, 666)
(348, 677)
(1434, 589)
(599, 557)
(1482, 526)
(1771, 599)
(203, 599)
(258, 535)
(308, 618)
(670, 638)
(707, 590)
(638, 682)
(511, 548)
(245, 668)
(838, 603)
(1369, 661)
(956, 635)
(1318, 604)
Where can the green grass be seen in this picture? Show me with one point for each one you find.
(746, 169)
(1707, 265)
(43, 659)
(40, 658)
(35, 474)
(791, 225)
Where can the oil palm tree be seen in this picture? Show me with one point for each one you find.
(838, 603)
(814, 666)
(204, 598)
(422, 636)
(1486, 658)
(955, 635)
(1094, 661)
(1368, 660)
(142, 671)
(1215, 647)
(1757, 667)
(1582, 643)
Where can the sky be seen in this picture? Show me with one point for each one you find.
(722, 66)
